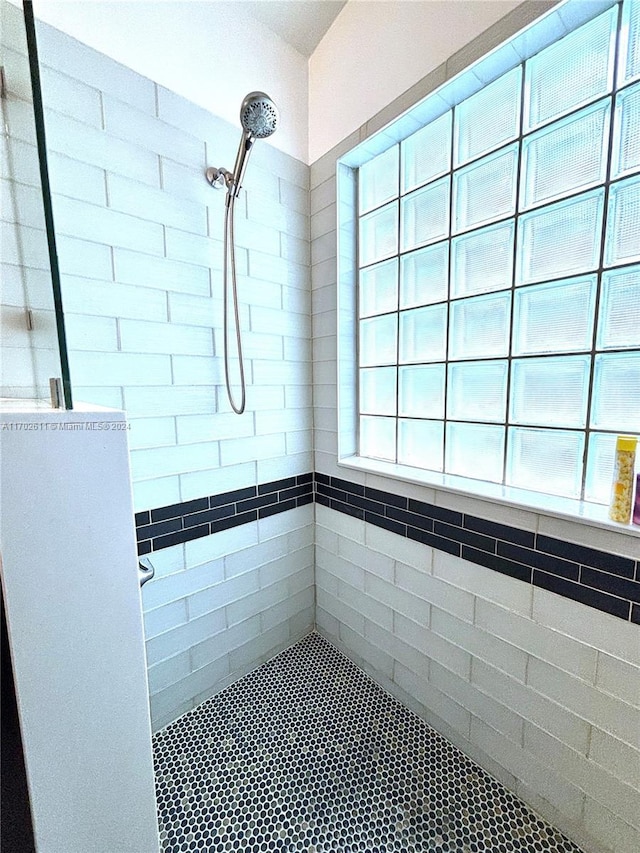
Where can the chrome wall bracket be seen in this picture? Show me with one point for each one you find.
(220, 178)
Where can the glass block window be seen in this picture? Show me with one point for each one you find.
(499, 273)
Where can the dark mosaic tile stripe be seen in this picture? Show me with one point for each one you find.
(604, 581)
(366, 504)
(411, 519)
(386, 523)
(439, 513)
(177, 510)
(583, 594)
(607, 582)
(498, 564)
(434, 541)
(144, 548)
(347, 508)
(215, 514)
(622, 566)
(234, 521)
(233, 497)
(276, 485)
(466, 537)
(257, 503)
(330, 492)
(294, 492)
(150, 531)
(386, 497)
(500, 531)
(180, 536)
(610, 583)
(172, 525)
(546, 562)
(282, 506)
(346, 486)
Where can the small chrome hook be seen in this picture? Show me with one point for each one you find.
(146, 570)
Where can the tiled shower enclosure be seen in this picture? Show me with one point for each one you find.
(522, 652)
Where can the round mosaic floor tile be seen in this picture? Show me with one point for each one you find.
(308, 754)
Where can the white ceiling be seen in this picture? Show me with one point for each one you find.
(301, 23)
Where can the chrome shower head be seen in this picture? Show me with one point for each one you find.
(258, 115)
(259, 119)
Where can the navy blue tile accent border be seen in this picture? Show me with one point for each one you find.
(604, 581)
(600, 580)
(171, 525)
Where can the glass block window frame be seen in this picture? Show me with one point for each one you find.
(484, 384)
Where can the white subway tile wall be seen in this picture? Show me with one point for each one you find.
(539, 689)
(555, 708)
(139, 233)
(223, 604)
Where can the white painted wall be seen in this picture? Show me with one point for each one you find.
(212, 53)
(374, 51)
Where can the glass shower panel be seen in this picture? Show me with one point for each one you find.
(30, 326)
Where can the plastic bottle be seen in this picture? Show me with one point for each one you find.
(622, 489)
(636, 506)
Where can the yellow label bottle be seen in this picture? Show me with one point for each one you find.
(622, 489)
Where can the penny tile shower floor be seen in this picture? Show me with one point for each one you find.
(308, 754)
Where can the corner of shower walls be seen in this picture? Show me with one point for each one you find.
(139, 233)
(541, 691)
(224, 604)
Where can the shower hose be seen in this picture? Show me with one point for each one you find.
(230, 261)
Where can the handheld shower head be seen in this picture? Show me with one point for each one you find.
(259, 119)
(259, 115)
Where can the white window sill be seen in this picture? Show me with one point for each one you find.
(594, 515)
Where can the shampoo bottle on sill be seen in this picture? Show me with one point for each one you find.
(622, 488)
